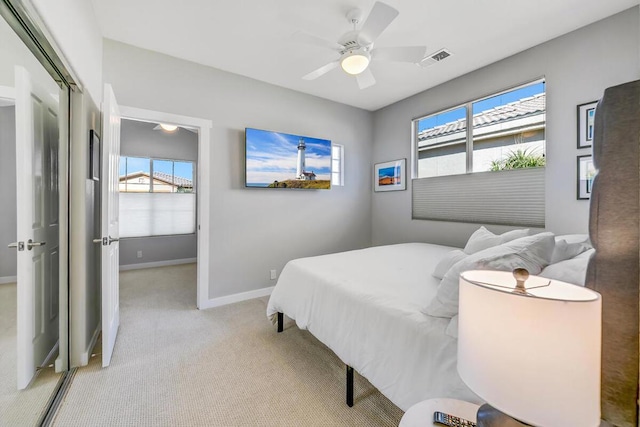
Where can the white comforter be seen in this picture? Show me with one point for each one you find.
(365, 306)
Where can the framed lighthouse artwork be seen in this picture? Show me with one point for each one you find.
(282, 160)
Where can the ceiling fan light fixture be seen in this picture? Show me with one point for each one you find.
(168, 128)
(355, 62)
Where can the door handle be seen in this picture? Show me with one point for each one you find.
(106, 241)
(31, 244)
(17, 245)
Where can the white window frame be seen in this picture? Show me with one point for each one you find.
(152, 159)
(170, 194)
(478, 197)
(337, 176)
(469, 129)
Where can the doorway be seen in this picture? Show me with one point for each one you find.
(201, 128)
(157, 200)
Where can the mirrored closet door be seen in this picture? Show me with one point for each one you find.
(34, 122)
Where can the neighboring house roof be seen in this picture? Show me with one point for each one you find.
(524, 107)
(308, 174)
(161, 176)
(177, 180)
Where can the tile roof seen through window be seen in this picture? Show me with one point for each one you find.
(161, 176)
(182, 182)
(514, 110)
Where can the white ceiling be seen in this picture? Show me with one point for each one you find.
(253, 37)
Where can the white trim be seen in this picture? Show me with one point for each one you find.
(203, 197)
(8, 279)
(86, 354)
(168, 118)
(154, 264)
(7, 92)
(242, 296)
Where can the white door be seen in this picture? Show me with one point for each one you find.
(110, 223)
(37, 142)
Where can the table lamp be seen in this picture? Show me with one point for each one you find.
(530, 349)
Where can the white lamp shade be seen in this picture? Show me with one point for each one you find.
(168, 127)
(535, 358)
(355, 62)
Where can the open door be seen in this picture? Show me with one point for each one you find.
(110, 223)
(37, 140)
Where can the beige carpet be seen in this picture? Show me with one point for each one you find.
(178, 366)
(24, 407)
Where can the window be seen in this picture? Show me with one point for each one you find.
(508, 132)
(337, 165)
(442, 141)
(157, 197)
(492, 172)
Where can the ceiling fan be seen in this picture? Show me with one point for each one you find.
(356, 46)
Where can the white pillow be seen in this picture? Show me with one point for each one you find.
(482, 239)
(531, 252)
(575, 238)
(564, 250)
(447, 262)
(452, 327)
(571, 271)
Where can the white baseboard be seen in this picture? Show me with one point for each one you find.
(8, 279)
(86, 354)
(242, 296)
(158, 264)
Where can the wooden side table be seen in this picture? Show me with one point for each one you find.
(421, 414)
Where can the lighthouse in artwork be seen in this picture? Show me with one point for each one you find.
(301, 148)
(301, 173)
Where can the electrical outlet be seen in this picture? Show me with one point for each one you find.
(273, 274)
(139, 254)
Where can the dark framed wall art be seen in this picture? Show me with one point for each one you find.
(586, 173)
(94, 155)
(586, 114)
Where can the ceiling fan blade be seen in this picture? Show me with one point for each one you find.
(413, 54)
(321, 71)
(365, 79)
(379, 18)
(306, 38)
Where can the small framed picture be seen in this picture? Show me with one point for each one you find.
(390, 176)
(94, 155)
(586, 173)
(586, 116)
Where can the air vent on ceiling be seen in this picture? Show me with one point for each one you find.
(437, 56)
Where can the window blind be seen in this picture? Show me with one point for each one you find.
(510, 197)
(157, 214)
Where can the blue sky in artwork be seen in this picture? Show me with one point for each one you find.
(391, 171)
(273, 156)
(480, 106)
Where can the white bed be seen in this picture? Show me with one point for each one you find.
(404, 353)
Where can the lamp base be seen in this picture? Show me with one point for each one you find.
(488, 416)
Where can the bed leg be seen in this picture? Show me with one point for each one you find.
(349, 386)
(280, 322)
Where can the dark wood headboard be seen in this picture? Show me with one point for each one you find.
(615, 233)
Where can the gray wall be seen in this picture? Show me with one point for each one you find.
(8, 257)
(139, 139)
(577, 66)
(84, 217)
(254, 230)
